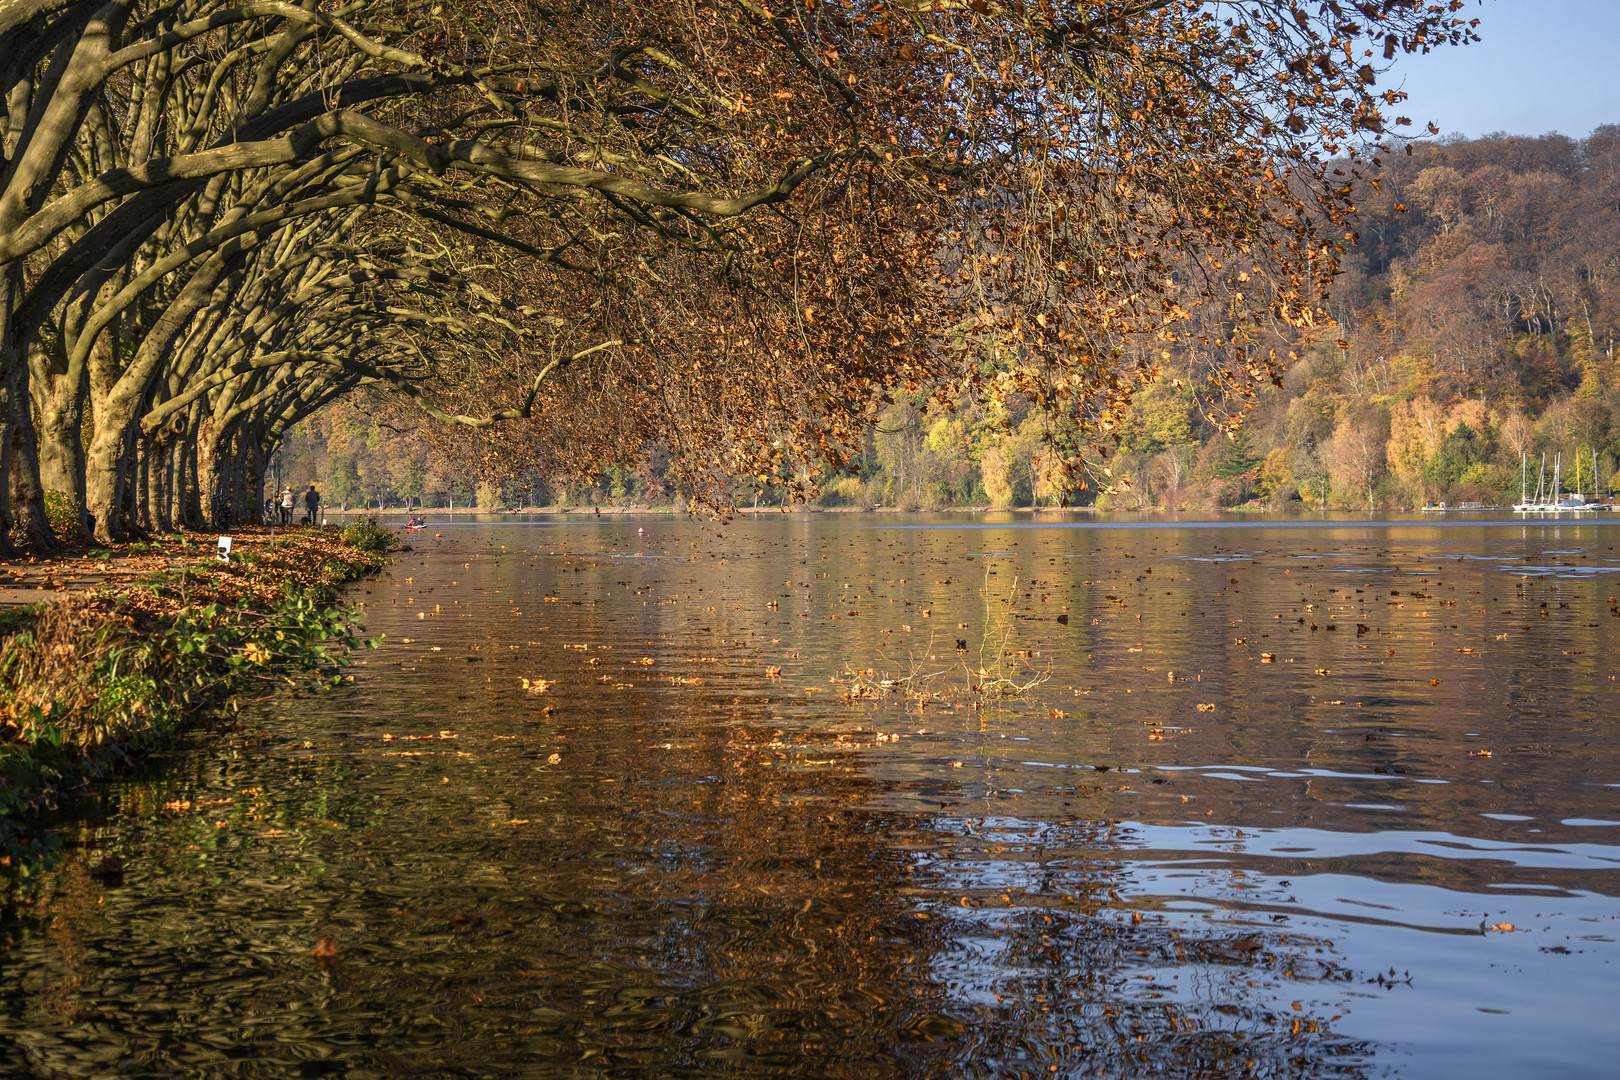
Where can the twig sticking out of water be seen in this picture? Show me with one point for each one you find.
(995, 676)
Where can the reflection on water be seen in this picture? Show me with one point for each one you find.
(1336, 799)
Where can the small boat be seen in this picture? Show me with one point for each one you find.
(1467, 507)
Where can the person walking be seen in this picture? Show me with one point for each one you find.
(312, 503)
(287, 504)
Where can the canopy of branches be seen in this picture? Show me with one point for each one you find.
(730, 228)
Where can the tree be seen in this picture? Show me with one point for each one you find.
(1459, 451)
(1356, 452)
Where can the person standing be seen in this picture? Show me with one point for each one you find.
(312, 503)
(287, 504)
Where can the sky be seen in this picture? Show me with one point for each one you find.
(1540, 66)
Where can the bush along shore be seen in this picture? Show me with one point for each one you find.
(90, 680)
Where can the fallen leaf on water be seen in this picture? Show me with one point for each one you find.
(1206, 706)
(554, 759)
(536, 686)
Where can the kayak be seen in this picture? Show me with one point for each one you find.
(415, 528)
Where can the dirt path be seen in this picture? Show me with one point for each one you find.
(32, 578)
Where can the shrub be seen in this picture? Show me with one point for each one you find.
(367, 536)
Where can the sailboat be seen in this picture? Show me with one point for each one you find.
(1580, 504)
(1549, 500)
(1526, 504)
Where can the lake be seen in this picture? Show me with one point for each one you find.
(882, 795)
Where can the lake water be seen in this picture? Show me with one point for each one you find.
(1301, 798)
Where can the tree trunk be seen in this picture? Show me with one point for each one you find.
(103, 493)
(6, 398)
(212, 488)
(174, 509)
(143, 480)
(61, 453)
(27, 496)
(241, 473)
(251, 478)
(161, 453)
(129, 489)
(189, 477)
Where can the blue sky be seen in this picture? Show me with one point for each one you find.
(1540, 66)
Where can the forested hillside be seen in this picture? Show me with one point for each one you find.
(1476, 324)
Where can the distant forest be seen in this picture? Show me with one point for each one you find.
(1476, 329)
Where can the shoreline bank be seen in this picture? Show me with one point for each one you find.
(91, 678)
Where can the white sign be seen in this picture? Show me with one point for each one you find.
(224, 549)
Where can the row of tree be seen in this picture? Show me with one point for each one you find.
(726, 229)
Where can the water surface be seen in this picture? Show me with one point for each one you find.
(1298, 798)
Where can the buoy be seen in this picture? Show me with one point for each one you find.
(438, 534)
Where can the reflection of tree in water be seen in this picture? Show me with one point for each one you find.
(689, 895)
(1061, 972)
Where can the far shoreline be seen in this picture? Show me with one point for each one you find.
(473, 511)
